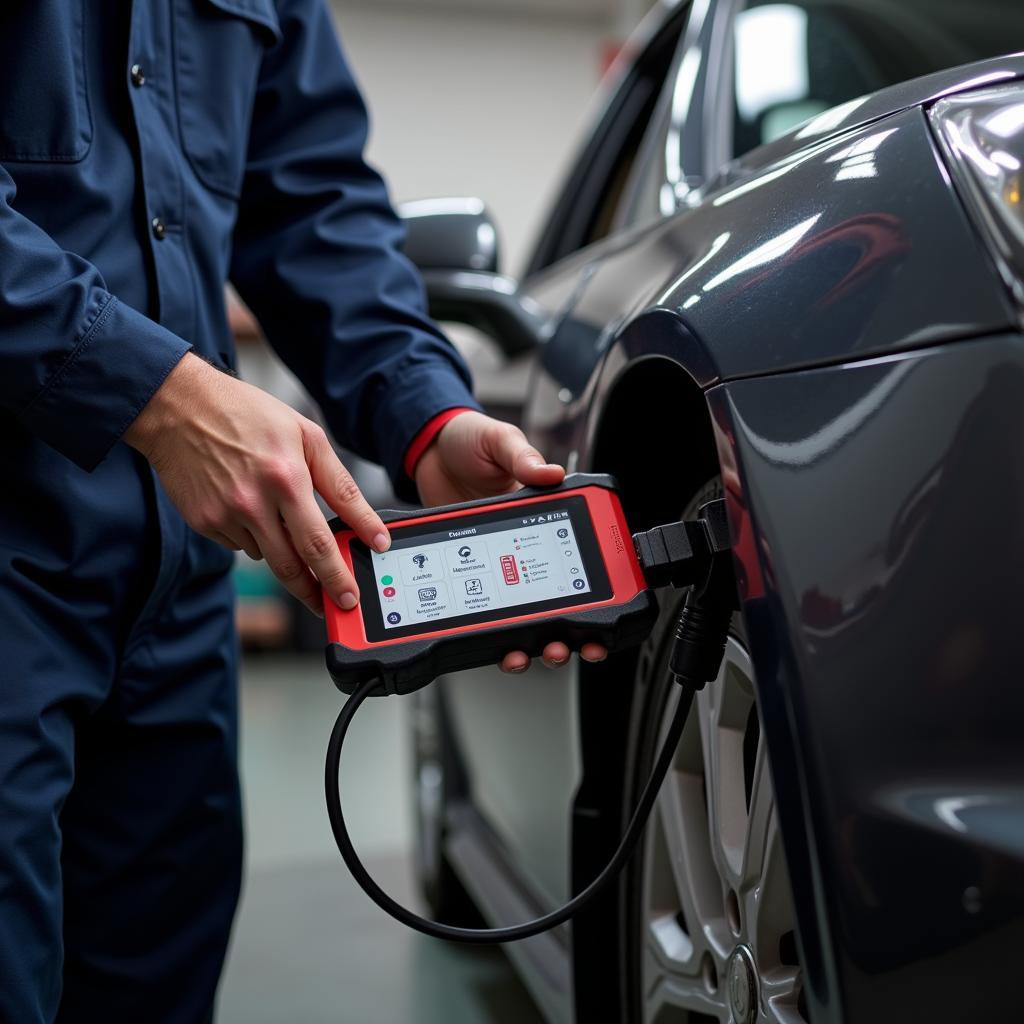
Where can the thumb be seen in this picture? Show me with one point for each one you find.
(511, 451)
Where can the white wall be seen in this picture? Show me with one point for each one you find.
(486, 102)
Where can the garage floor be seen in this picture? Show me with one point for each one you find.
(309, 947)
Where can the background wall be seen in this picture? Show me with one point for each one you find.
(486, 98)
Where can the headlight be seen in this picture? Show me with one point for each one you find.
(982, 134)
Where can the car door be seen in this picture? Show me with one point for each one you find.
(518, 735)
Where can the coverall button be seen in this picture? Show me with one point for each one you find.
(159, 229)
(138, 75)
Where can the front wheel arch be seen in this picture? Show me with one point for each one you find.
(654, 433)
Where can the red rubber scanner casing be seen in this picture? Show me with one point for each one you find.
(410, 662)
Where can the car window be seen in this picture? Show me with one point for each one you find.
(588, 205)
(675, 157)
(646, 195)
(640, 174)
(795, 60)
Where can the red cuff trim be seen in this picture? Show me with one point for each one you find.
(421, 442)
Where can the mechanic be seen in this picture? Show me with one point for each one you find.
(149, 152)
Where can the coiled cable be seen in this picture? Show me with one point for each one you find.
(511, 933)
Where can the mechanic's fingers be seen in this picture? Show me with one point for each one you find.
(238, 538)
(335, 484)
(510, 450)
(515, 663)
(316, 546)
(249, 545)
(556, 654)
(242, 540)
(284, 562)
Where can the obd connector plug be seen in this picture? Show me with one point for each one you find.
(680, 554)
(689, 554)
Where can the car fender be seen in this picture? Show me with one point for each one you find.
(847, 250)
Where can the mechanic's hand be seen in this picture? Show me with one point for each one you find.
(475, 456)
(241, 468)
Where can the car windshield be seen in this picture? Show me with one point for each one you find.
(795, 60)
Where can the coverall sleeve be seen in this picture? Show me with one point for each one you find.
(76, 365)
(317, 254)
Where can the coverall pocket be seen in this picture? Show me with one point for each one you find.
(44, 109)
(219, 45)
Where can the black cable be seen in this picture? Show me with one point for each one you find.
(512, 932)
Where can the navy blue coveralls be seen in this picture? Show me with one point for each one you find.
(148, 152)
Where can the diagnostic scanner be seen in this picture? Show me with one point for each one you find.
(462, 585)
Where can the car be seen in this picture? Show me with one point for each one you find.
(787, 268)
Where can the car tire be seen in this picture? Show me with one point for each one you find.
(702, 942)
(438, 782)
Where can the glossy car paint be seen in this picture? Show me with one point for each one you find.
(845, 266)
(883, 607)
(795, 289)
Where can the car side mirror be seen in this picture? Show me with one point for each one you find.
(454, 243)
(450, 234)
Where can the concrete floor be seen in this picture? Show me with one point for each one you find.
(309, 947)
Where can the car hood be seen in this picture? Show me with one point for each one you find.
(858, 112)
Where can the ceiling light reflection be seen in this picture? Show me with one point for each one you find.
(831, 436)
(713, 249)
(765, 253)
(858, 160)
(468, 205)
(784, 166)
(1006, 122)
(749, 186)
(830, 119)
(1006, 160)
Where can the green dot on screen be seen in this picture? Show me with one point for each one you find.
(387, 580)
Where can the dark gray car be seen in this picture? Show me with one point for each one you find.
(788, 268)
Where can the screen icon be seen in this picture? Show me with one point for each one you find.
(420, 560)
(465, 551)
(579, 584)
(394, 618)
(509, 569)
(563, 533)
(474, 587)
(427, 593)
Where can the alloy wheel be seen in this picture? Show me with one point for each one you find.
(718, 922)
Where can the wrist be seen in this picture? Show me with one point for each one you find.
(427, 437)
(168, 405)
